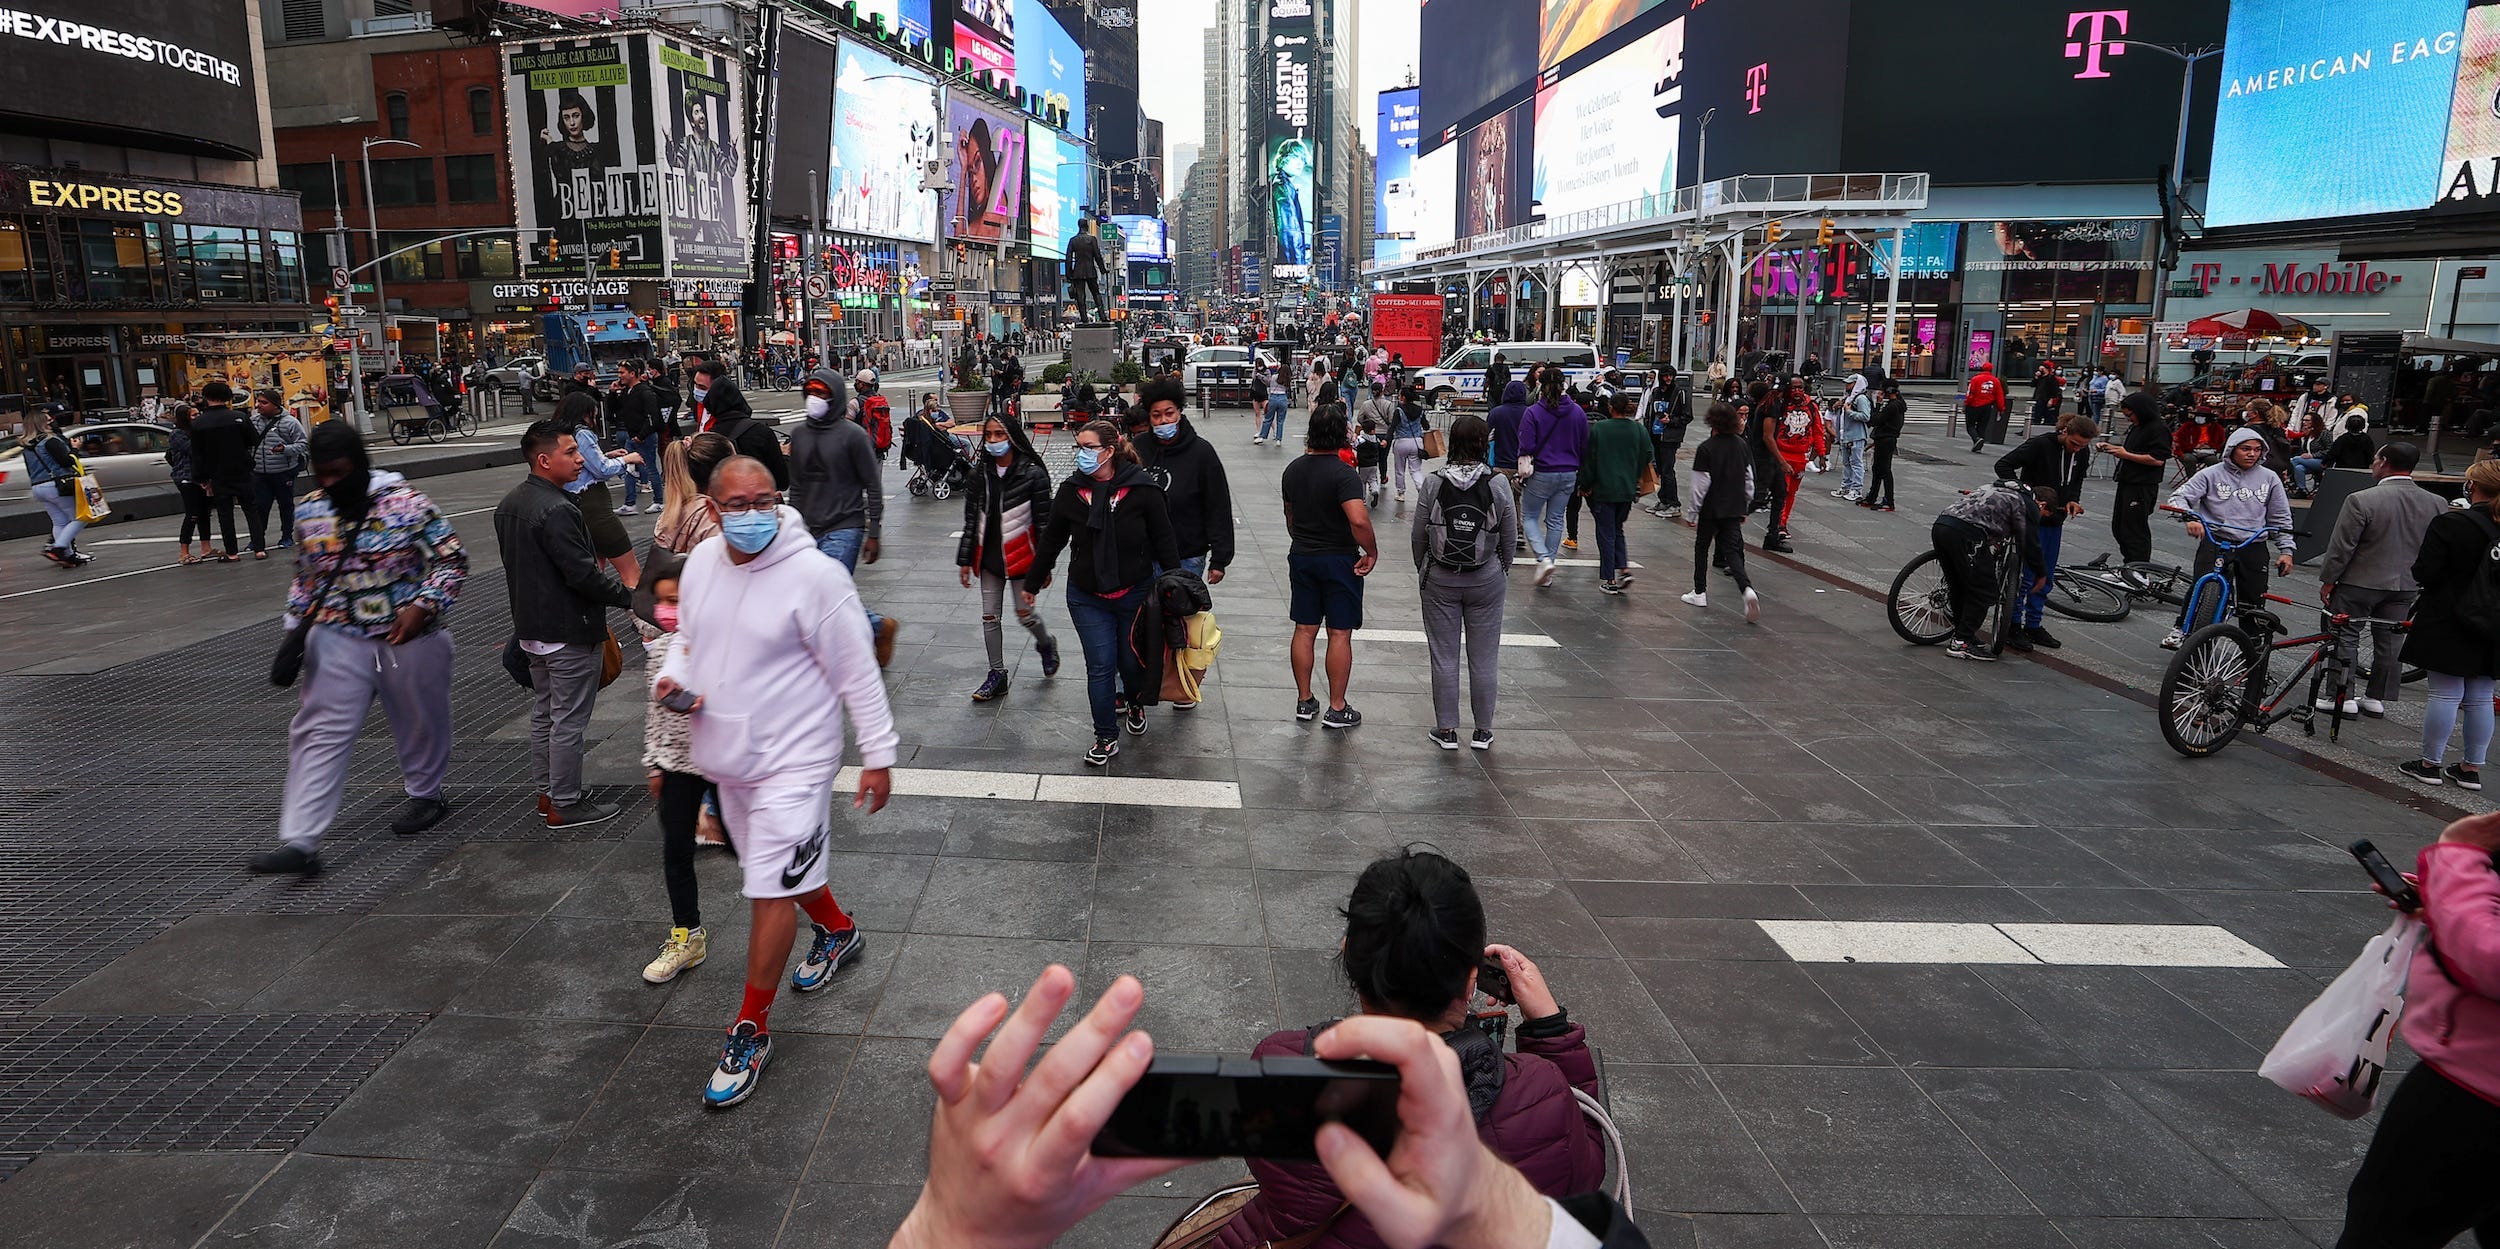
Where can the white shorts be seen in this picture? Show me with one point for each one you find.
(780, 833)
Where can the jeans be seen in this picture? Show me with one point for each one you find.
(1970, 572)
(1102, 626)
(1542, 503)
(2034, 602)
(1727, 533)
(996, 592)
(61, 505)
(647, 472)
(1272, 422)
(844, 546)
(343, 674)
(2451, 695)
(1853, 466)
(2302, 467)
(564, 685)
(194, 512)
(1610, 553)
(269, 488)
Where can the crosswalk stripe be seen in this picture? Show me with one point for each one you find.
(2063, 945)
(1417, 636)
(1125, 791)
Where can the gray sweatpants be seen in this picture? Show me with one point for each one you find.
(1463, 608)
(2386, 645)
(343, 674)
(564, 685)
(994, 595)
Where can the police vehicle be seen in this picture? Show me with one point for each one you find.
(1458, 381)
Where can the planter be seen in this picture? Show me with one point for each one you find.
(968, 405)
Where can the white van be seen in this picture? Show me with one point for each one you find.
(1459, 380)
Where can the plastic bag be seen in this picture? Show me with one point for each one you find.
(2335, 1052)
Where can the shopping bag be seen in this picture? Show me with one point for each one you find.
(92, 505)
(1435, 446)
(1648, 484)
(2335, 1052)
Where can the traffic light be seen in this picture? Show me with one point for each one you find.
(1823, 233)
(1772, 234)
(332, 303)
(551, 248)
(616, 258)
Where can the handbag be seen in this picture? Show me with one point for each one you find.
(611, 659)
(1435, 445)
(1648, 484)
(2336, 1050)
(288, 663)
(92, 505)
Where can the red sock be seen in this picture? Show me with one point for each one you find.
(821, 907)
(758, 1003)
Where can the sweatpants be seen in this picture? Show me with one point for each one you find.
(2386, 645)
(1463, 610)
(1970, 571)
(1879, 482)
(1728, 534)
(1665, 453)
(2131, 519)
(343, 673)
(1406, 460)
(564, 685)
(994, 590)
(2428, 1176)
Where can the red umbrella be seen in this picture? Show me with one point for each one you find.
(2245, 323)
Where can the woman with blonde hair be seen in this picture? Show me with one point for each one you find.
(2460, 660)
(686, 467)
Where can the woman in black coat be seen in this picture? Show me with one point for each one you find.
(1112, 520)
(1005, 504)
(2460, 659)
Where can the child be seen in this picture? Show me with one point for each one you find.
(1371, 448)
(675, 785)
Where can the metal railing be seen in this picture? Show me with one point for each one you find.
(1746, 193)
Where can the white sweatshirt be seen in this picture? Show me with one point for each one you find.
(779, 649)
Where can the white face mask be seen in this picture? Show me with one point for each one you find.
(818, 405)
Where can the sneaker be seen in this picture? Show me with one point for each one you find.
(684, 950)
(2465, 777)
(1753, 607)
(1258, 442)
(1969, 652)
(418, 815)
(2018, 641)
(992, 686)
(286, 860)
(2352, 707)
(742, 1059)
(886, 629)
(2422, 770)
(2373, 708)
(626, 509)
(1136, 721)
(1483, 739)
(1181, 706)
(2040, 638)
(655, 509)
(1345, 717)
(1571, 544)
(1446, 739)
(1887, 508)
(1624, 578)
(580, 813)
(1545, 572)
(1697, 599)
(1307, 709)
(2170, 641)
(825, 956)
(1610, 587)
(1675, 512)
(1103, 752)
(546, 806)
(1843, 495)
(1779, 542)
(1049, 652)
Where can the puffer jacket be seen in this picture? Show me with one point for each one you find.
(1532, 1122)
(1020, 501)
(2452, 999)
(280, 451)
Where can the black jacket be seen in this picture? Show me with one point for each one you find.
(1141, 531)
(1671, 413)
(2454, 550)
(559, 592)
(1160, 624)
(221, 448)
(989, 498)
(2145, 437)
(1196, 494)
(638, 411)
(1890, 416)
(752, 438)
(2040, 461)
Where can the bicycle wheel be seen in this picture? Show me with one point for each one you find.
(2208, 598)
(2204, 691)
(401, 432)
(1999, 628)
(1921, 606)
(2083, 596)
(436, 429)
(470, 422)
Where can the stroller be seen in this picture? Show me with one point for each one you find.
(940, 463)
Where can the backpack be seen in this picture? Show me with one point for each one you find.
(878, 416)
(1461, 524)
(2478, 604)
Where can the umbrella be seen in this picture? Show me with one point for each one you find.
(2245, 323)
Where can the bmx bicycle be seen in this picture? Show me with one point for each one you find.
(2221, 679)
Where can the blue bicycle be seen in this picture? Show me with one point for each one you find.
(2210, 599)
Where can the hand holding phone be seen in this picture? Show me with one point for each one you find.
(2390, 882)
(1200, 1107)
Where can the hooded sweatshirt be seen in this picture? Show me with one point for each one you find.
(1505, 418)
(1196, 494)
(2242, 501)
(2452, 999)
(1554, 436)
(779, 650)
(1857, 411)
(833, 466)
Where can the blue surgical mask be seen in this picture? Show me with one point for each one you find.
(1088, 459)
(750, 531)
(999, 449)
(701, 391)
(1168, 432)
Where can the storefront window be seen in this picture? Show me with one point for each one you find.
(224, 262)
(114, 260)
(286, 267)
(16, 265)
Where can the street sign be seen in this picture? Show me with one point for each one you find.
(2471, 271)
(2125, 339)
(2189, 289)
(338, 277)
(2170, 327)
(817, 287)
(942, 284)
(361, 288)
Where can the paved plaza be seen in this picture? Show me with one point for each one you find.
(1880, 951)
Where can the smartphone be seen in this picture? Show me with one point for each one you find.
(2398, 889)
(1204, 1107)
(681, 700)
(1494, 982)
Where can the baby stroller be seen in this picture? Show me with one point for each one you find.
(940, 463)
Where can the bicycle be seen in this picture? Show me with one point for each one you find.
(2217, 684)
(1920, 607)
(2099, 591)
(2209, 601)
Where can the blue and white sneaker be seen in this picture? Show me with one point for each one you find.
(742, 1059)
(825, 956)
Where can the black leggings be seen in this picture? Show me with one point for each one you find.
(1728, 532)
(2428, 1175)
(194, 512)
(1571, 516)
(222, 501)
(681, 805)
(1879, 483)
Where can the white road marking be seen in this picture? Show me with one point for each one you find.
(84, 581)
(1129, 791)
(1417, 636)
(1590, 563)
(2062, 945)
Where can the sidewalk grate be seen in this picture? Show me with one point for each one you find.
(183, 1082)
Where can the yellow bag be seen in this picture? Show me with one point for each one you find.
(1186, 665)
(89, 495)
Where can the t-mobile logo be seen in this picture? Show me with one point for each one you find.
(2101, 28)
(1757, 85)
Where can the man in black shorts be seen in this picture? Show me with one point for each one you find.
(1333, 550)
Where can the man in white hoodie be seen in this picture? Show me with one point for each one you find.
(772, 651)
(2239, 496)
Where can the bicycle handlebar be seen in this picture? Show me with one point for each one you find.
(2186, 514)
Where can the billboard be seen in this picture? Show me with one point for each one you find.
(586, 151)
(1050, 66)
(1436, 198)
(1147, 240)
(1473, 54)
(1495, 173)
(1776, 76)
(2469, 176)
(2379, 76)
(162, 75)
(1058, 188)
(1928, 250)
(703, 201)
(1393, 185)
(985, 36)
(1570, 25)
(907, 17)
(989, 173)
(885, 131)
(1290, 158)
(1608, 133)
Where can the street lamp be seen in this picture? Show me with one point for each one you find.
(2175, 192)
(381, 304)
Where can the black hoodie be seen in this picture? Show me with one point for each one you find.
(1139, 534)
(1195, 492)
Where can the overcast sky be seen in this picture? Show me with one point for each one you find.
(1171, 47)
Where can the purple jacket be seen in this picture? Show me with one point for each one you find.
(1554, 437)
(1533, 1123)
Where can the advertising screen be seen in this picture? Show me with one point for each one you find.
(1775, 76)
(1146, 238)
(1291, 155)
(1608, 133)
(989, 172)
(2469, 176)
(586, 151)
(1393, 187)
(1928, 249)
(1473, 53)
(1050, 65)
(909, 17)
(2379, 78)
(985, 36)
(1570, 25)
(178, 74)
(703, 191)
(1436, 198)
(883, 137)
(1058, 188)
(1495, 173)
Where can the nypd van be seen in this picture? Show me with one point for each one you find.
(1458, 381)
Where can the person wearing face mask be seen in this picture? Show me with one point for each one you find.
(2197, 443)
(377, 568)
(1002, 505)
(772, 653)
(1196, 494)
(1111, 519)
(841, 495)
(560, 595)
(718, 405)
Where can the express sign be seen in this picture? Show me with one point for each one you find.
(2350, 278)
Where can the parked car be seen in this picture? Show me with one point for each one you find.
(523, 372)
(117, 454)
(1215, 361)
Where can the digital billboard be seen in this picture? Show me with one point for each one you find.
(1290, 159)
(1147, 240)
(170, 75)
(985, 36)
(1048, 62)
(1608, 133)
(906, 17)
(586, 151)
(884, 134)
(989, 172)
(2469, 176)
(1495, 174)
(1775, 76)
(1393, 185)
(703, 199)
(2379, 78)
(1436, 198)
(1058, 188)
(1570, 25)
(1928, 250)
(1473, 54)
